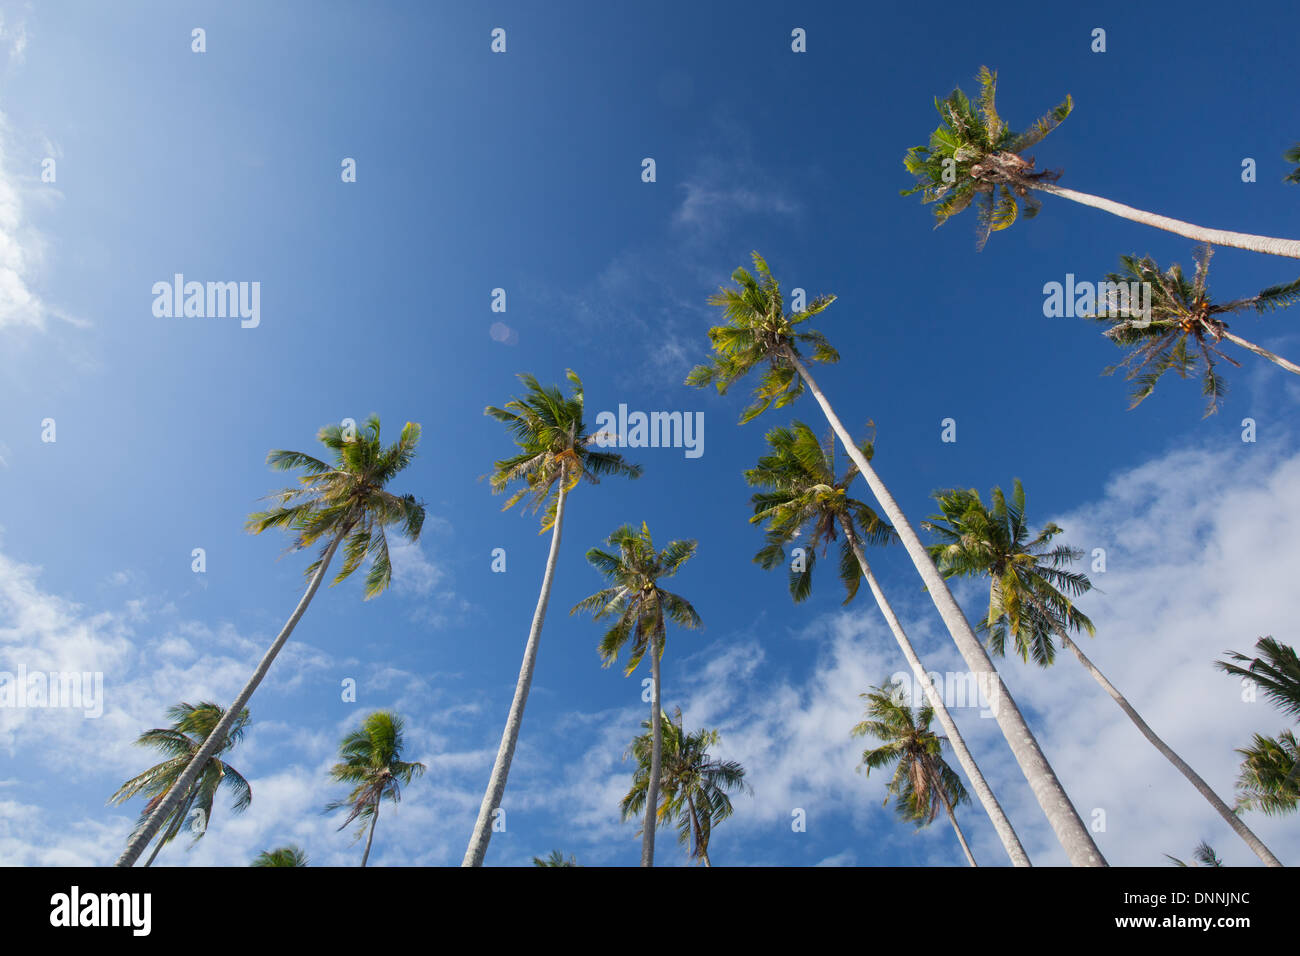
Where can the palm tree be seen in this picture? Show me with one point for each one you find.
(555, 859)
(555, 453)
(760, 331)
(1204, 855)
(800, 492)
(1270, 773)
(190, 728)
(1184, 328)
(694, 785)
(973, 154)
(290, 855)
(345, 501)
(1026, 602)
(372, 763)
(1276, 669)
(922, 781)
(1292, 155)
(639, 607)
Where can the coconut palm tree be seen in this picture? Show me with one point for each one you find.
(758, 331)
(975, 155)
(803, 501)
(1292, 155)
(555, 454)
(1270, 773)
(343, 502)
(372, 763)
(694, 785)
(555, 859)
(640, 609)
(190, 727)
(1275, 668)
(1030, 601)
(1183, 330)
(290, 855)
(1204, 855)
(922, 782)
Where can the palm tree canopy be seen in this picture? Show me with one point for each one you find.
(973, 153)
(1204, 855)
(803, 500)
(690, 778)
(290, 855)
(1276, 669)
(179, 742)
(760, 330)
(636, 602)
(553, 444)
(1270, 775)
(1292, 155)
(555, 859)
(1031, 584)
(1184, 328)
(372, 763)
(347, 498)
(922, 779)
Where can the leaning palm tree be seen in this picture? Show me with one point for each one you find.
(802, 500)
(555, 859)
(1270, 775)
(922, 782)
(555, 454)
(640, 609)
(1183, 329)
(1030, 602)
(975, 155)
(290, 855)
(372, 763)
(190, 728)
(694, 785)
(343, 503)
(758, 331)
(1203, 855)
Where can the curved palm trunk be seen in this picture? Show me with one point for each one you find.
(371, 836)
(1263, 352)
(478, 841)
(656, 762)
(701, 844)
(1218, 237)
(218, 736)
(174, 828)
(1234, 821)
(952, 818)
(1062, 816)
(1006, 833)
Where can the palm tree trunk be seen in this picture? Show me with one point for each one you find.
(656, 760)
(1218, 237)
(175, 827)
(478, 841)
(952, 817)
(218, 736)
(371, 836)
(1062, 816)
(1006, 833)
(1265, 353)
(1202, 787)
(701, 844)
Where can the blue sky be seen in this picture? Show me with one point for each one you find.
(522, 171)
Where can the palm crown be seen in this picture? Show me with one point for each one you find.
(801, 494)
(635, 600)
(973, 153)
(347, 499)
(1027, 576)
(760, 330)
(1292, 155)
(290, 855)
(555, 449)
(372, 763)
(1276, 669)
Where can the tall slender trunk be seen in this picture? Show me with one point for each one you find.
(478, 841)
(371, 836)
(701, 844)
(1218, 237)
(1060, 813)
(1263, 352)
(1006, 833)
(1234, 821)
(952, 818)
(175, 827)
(215, 739)
(656, 760)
